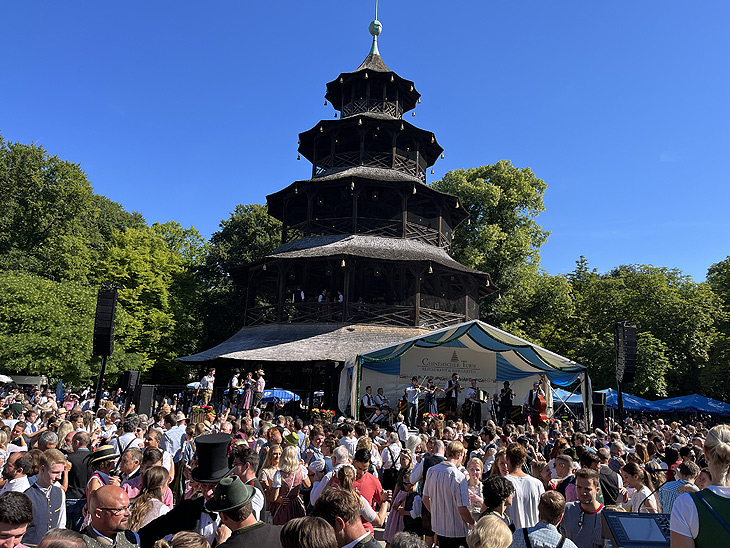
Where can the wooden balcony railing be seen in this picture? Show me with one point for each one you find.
(364, 313)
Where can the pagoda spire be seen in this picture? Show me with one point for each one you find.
(375, 28)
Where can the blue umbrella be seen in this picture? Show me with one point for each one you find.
(279, 395)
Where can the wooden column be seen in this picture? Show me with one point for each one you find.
(309, 213)
(404, 213)
(346, 290)
(417, 311)
(355, 194)
(441, 218)
(281, 286)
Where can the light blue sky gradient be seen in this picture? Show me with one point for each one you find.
(181, 110)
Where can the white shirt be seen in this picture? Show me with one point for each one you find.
(389, 462)
(368, 400)
(350, 443)
(684, 519)
(18, 485)
(128, 439)
(402, 430)
(447, 490)
(412, 394)
(381, 400)
(206, 383)
(523, 511)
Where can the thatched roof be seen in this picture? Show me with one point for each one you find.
(372, 247)
(305, 342)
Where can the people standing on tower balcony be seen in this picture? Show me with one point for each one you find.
(323, 297)
(258, 388)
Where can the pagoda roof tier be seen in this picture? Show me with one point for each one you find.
(305, 342)
(313, 146)
(369, 175)
(377, 248)
(372, 67)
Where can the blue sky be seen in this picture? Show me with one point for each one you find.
(181, 110)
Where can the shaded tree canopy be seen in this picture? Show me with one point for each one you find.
(502, 237)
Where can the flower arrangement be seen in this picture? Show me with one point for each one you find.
(201, 413)
(207, 409)
(324, 414)
(428, 416)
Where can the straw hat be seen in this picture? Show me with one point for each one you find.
(102, 454)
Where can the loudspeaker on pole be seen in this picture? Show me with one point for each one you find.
(106, 310)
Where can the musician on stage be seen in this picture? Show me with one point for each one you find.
(369, 405)
(505, 403)
(533, 403)
(430, 404)
(452, 394)
(475, 410)
(383, 404)
(413, 390)
(531, 399)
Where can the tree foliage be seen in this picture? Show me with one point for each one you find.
(248, 235)
(502, 237)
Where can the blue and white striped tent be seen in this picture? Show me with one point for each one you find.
(473, 350)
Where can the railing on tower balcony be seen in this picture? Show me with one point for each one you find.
(373, 105)
(384, 160)
(363, 313)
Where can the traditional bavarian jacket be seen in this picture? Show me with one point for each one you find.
(124, 539)
(49, 511)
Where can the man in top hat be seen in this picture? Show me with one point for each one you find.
(190, 514)
(258, 388)
(232, 499)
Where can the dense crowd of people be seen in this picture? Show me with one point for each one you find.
(78, 477)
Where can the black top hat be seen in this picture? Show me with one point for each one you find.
(506, 383)
(229, 494)
(212, 451)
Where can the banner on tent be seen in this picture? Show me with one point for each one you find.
(441, 362)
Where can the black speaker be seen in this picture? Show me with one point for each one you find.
(629, 353)
(144, 399)
(106, 309)
(129, 381)
(599, 410)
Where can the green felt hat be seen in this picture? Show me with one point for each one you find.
(229, 494)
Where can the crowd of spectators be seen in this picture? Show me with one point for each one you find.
(83, 477)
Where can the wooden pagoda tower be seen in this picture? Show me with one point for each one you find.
(365, 259)
(365, 240)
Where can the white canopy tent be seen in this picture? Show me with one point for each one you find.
(473, 350)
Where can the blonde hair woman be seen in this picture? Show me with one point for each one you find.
(489, 532)
(285, 486)
(269, 468)
(692, 523)
(184, 539)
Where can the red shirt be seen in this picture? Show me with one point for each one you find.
(369, 487)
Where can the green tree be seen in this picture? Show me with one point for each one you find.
(675, 320)
(248, 235)
(715, 377)
(142, 264)
(51, 222)
(502, 237)
(46, 328)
